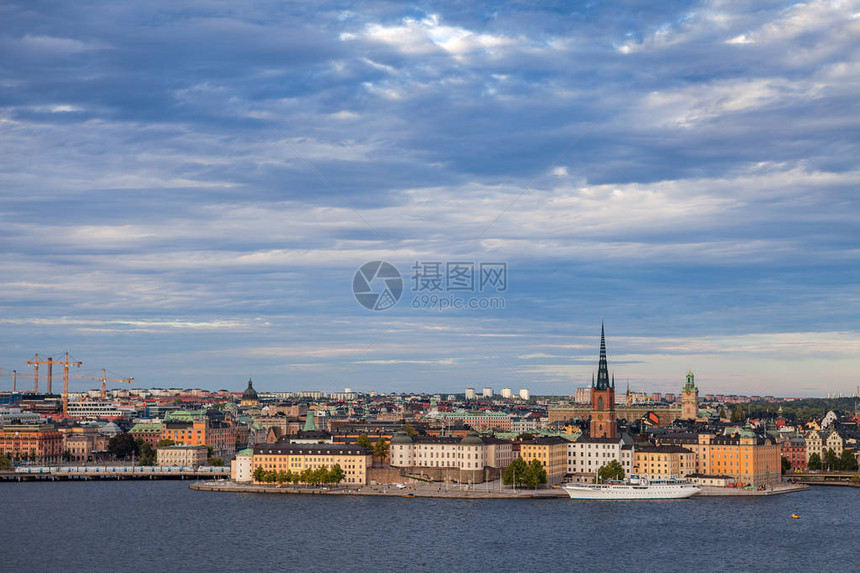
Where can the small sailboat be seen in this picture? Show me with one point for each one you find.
(795, 516)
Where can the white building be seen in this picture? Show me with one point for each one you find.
(183, 456)
(487, 393)
(507, 393)
(587, 455)
(471, 394)
(583, 395)
(242, 467)
(525, 394)
(18, 416)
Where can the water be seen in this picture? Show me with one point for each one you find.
(164, 526)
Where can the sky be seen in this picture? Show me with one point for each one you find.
(187, 193)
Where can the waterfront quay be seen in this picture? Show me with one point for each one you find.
(64, 473)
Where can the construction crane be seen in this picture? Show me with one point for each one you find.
(104, 379)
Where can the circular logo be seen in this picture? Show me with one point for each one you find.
(377, 285)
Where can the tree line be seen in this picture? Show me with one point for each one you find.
(846, 462)
(321, 475)
(519, 473)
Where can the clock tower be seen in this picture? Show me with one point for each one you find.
(603, 398)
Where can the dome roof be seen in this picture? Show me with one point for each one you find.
(471, 439)
(249, 393)
(400, 438)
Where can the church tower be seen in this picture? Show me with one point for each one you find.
(603, 398)
(690, 399)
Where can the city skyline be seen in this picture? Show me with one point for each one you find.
(188, 194)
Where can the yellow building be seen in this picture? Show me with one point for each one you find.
(552, 453)
(282, 456)
(663, 462)
(749, 459)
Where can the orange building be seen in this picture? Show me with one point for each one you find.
(218, 435)
(42, 444)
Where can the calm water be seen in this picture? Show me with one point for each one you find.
(164, 526)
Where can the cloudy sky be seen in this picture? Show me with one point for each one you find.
(186, 193)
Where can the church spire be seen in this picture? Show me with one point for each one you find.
(602, 367)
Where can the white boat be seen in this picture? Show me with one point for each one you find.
(634, 488)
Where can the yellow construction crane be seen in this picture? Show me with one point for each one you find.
(104, 379)
(50, 362)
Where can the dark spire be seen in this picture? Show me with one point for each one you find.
(602, 367)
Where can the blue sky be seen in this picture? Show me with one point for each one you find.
(187, 192)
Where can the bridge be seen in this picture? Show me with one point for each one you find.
(55, 473)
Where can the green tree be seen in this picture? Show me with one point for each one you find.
(848, 460)
(722, 413)
(737, 414)
(364, 441)
(831, 460)
(786, 465)
(814, 462)
(410, 431)
(526, 437)
(337, 474)
(306, 476)
(535, 474)
(122, 446)
(258, 474)
(147, 454)
(515, 473)
(5, 462)
(215, 461)
(164, 442)
(611, 471)
(380, 449)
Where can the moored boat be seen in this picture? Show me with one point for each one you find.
(634, 488)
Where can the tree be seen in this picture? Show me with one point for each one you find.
(515, 473)
(337, 474)
(215, 461)
(535, 474)
(364, 441)
(525, 437)
(722, 413)
(5, 462)
(163, 443)
(147, 454)
(122, 446)
(611, 471)
(409, 430)
(848, 460)
(786, 465)
(737, 414)
(259, 473)
(814, 462)
(67, 456)
(831, 461)
(380, 449)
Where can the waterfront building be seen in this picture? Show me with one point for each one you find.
(794, 450)
(40, 443)
(690, 399)
(353, 460)
(249, 396)
(242, 466)
(750, 459)
(586, 455)
(552, 453)
(664, 462)
(603, 423)
(182, 456)
(467, 456)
